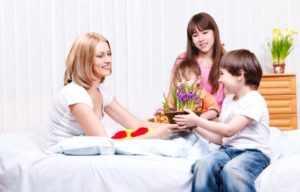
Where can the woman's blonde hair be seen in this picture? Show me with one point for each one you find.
(79, 63)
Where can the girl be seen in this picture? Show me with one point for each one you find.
(244, 126)
(79, 107)
(204, 46)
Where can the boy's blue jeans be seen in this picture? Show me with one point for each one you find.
(229, 169)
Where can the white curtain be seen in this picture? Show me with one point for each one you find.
(146, 36)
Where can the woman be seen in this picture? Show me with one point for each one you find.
(79, 107)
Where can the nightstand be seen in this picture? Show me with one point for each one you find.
(279, 91)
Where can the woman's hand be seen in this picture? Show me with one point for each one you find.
(165, 131)
(187, 121)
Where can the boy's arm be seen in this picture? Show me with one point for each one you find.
(209, 136)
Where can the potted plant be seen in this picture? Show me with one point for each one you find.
(281, 46)
(184, 97)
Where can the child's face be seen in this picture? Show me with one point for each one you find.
(231, 83)
(189, 78)
(204, 40)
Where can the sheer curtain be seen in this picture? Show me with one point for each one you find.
(146, 37)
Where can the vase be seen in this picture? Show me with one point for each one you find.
(278, 67)
(170, 115)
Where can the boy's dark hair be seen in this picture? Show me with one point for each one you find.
(242, 59)
(183, 66)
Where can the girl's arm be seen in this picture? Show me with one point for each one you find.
(87, 120)
(180, 58)
(210, 114)
(118, 113)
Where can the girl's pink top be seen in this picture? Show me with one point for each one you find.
(219, 95)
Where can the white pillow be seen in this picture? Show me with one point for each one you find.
(284, 143)
(276, 143)
(189, 146)
(291, 142)
(84, 145)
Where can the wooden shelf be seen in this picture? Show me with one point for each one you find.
(279, 90)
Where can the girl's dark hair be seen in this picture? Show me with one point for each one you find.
(203, 21)
(243, 60)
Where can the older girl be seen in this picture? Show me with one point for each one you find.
(204, 46)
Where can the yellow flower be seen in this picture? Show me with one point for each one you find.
(282, 44)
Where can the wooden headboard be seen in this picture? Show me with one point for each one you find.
(279, 90)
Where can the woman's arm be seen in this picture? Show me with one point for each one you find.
(121, 115)
(118, 113)
(87, 120)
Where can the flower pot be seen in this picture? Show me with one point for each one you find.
(278, 67)
(172, 114)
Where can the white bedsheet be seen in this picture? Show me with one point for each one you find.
(24, 167)
(283, 174)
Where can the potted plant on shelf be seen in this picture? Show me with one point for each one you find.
(281, 46)
(184, 97)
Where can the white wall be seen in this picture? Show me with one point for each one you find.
(146, 36)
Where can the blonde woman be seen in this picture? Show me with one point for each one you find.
(79, 107)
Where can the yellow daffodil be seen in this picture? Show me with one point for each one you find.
(282, 44)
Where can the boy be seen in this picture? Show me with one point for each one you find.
(244, 126)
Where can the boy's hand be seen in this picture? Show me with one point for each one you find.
(186, 121)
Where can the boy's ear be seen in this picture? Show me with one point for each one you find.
(241, 73)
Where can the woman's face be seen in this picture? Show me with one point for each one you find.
(204, 40)
(102, 60)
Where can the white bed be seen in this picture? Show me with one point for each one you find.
(24, 167)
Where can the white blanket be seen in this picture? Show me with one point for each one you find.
(190, 146)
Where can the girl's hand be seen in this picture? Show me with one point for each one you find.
(186, 121)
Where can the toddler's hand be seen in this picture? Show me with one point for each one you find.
(159, 112)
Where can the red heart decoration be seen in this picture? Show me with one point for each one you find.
(139, 131)
(120, 135)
